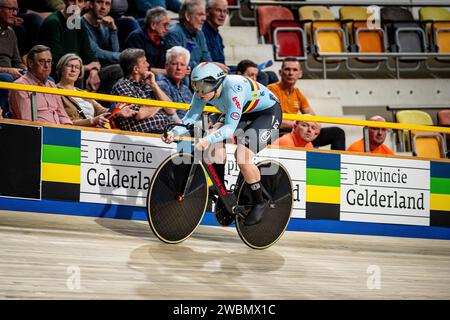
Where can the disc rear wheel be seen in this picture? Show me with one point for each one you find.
(276, 217)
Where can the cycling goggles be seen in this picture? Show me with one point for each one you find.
(205, 86)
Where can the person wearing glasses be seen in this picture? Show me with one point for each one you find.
(64, 33)
(11, 65)
(216, 13)
(150, 38)
(50, 108)
(82, 112)
(188, 33)
(251, 114)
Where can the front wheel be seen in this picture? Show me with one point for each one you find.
(277, 182)
(174, 218)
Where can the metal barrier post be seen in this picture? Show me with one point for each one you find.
(33, 106)
(366, 139)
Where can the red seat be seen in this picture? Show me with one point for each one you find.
(444, 118)
(233, 4)
(266, 14)
(288, 39)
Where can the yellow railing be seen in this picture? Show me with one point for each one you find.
(184, 106)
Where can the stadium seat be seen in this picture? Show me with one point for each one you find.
(234, 4)
(325, 35)
(289, 39)
(424, 144)
(428, 146)
(265, 15)
(308, 14)
(414, 117)
(315, 13)
(437, 22)
(443, 117)
(365, 36)
(404, 34)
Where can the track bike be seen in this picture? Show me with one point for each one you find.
(178, 196)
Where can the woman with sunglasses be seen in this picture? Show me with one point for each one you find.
(250, 113)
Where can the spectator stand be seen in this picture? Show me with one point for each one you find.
(400, 40)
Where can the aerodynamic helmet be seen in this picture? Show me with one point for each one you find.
(207, 77)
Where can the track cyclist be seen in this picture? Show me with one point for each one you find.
(250, 113)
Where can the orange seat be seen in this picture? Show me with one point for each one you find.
(364, 33)
(328, 40)
(441, 32)
(428, 146)
(368, 41)
(424, 143)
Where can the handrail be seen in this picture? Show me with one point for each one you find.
(184, 106)
(92, 95)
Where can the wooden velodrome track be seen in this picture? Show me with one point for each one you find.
(47, 256)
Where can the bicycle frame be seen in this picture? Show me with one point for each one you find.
(228, 198)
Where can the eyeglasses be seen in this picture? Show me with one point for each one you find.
(224, 11)
(165, 24)
(43, 61)
(10, 9)
(73, 66)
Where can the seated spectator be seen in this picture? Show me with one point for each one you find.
(43, 8)
(124, 20)
(250, 69)
(377, 136)
(66, 35)
(293, 101)
(28, 20)
(11, 66)
(302, 135)
(150, 38)
(188, 33)
(49, 107)
(177, 63)
(216, 13)
(139, 82)
(102, 31)
(82, 112)
(142, 6)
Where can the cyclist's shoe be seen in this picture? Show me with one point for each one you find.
(221, 214)
(255, 215)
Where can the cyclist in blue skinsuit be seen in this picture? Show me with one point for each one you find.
(251, 114)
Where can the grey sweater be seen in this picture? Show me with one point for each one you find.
(9, 53)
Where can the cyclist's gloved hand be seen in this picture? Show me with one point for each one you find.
(202, 144)
(168, 138)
